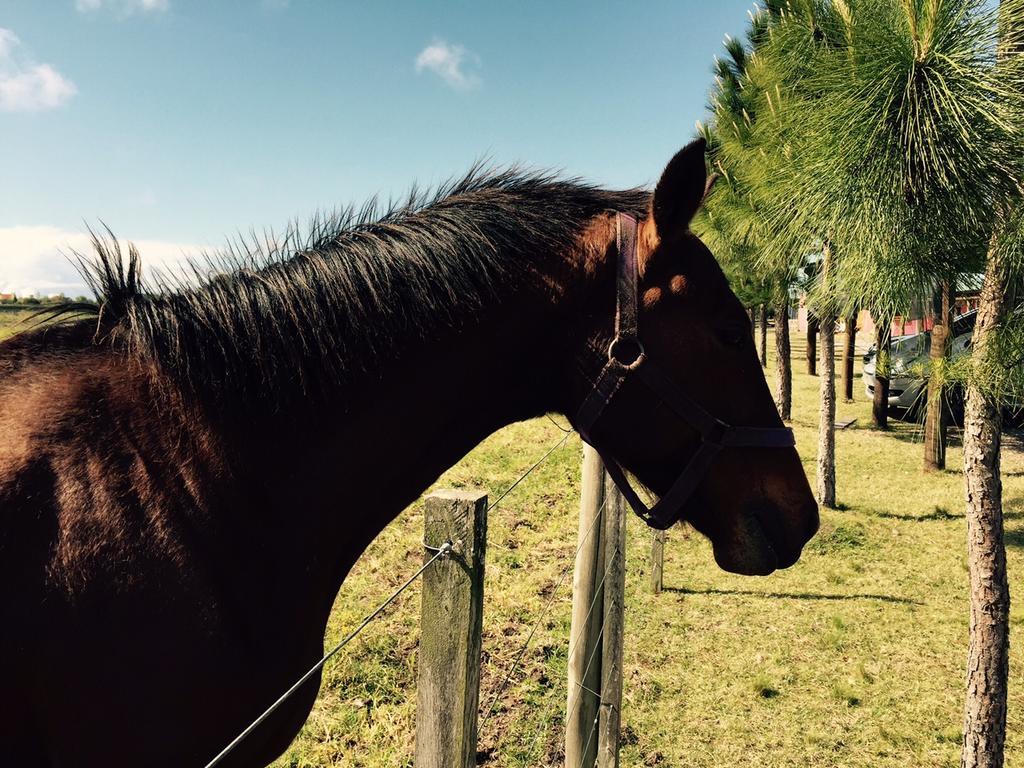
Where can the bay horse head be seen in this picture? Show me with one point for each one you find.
(680, 400)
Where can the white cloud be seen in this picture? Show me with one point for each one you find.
(34, 259)
(447, 61)
(25, 85)
(8, 42)
(123, 7)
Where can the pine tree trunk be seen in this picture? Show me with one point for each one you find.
(783, 361)
(827, 424)
(752, 313)
(934, 421)
(935, 417)
(849, 356)
(812, 345)
(763, 343)
(880, 400)
(988, 650)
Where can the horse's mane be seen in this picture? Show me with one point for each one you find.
(296, 312)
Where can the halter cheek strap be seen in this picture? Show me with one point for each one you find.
(627, 358)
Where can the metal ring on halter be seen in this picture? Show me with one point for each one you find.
(630, 364)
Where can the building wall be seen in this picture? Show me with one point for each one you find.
(901, 326)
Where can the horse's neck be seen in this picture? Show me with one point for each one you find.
(361, 461)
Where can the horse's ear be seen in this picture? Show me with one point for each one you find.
(710, 185)
(680, 191)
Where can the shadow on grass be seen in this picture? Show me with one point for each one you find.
(1013, 507)
(910, 430)
(938, 514)
(792, 595)
(904, 432)
(1014, 537)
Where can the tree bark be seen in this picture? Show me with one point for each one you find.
(935, 417)
(880, 401)
(752, 313)
(988, 649)
(827, 422)
(849, 356)
(763, 342)
(783, 361)
(812, 345)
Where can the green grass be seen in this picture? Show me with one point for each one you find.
(854, 657)
(12, 321)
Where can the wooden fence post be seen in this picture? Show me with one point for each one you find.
(587, 610)
(658, 561)
(595, 644)
(614, 550)
(448, 685)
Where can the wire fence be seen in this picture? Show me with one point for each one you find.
(443, 551)
(440, 550)
(545, 611)
(577, 695)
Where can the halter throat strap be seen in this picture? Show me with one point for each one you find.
(628, 358)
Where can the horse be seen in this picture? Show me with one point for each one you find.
(172, 536)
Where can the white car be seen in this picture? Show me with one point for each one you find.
(908, 356)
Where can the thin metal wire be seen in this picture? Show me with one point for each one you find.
(583, 688)
(593, 654)
(544, 613)
(564, 429)
(451, 545)
(571, 709)
(593, 730)
(591, 691)
(526, 474)
(579, 693)
(600, 704)
(442, 551)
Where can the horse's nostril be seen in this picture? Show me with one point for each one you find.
(787, 527)
(768, 515)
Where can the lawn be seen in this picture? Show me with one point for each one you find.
(854, 657)
(12, 321)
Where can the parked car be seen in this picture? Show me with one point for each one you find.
(908, 388)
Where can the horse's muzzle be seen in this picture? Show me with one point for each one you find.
(764, 538)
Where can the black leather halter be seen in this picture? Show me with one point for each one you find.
(626, 357)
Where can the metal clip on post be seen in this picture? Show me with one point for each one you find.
(444, 551)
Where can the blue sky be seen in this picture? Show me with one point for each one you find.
(180, 122)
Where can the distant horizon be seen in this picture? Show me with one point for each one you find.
(178, 123)
(5, 298)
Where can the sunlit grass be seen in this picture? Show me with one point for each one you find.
(12, 322)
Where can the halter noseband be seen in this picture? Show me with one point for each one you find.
(626, 356)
